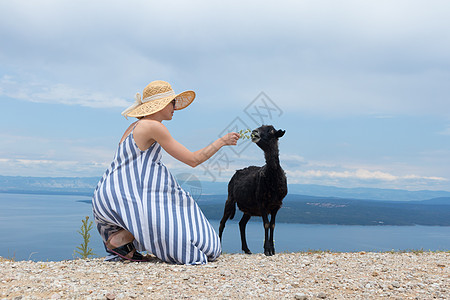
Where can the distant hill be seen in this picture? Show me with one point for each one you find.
(341, 211)
(86, 186)
(216, 188)
(437, 201)
(338, 211)
(366, 193)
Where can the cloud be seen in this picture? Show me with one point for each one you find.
(359, 174)
(322, 57)
(44, 156)
(299, 170)
(446, 131)
(314, 59)
(50, 168)
(366, 178)
(56, 94)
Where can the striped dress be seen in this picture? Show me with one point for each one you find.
(138, 193)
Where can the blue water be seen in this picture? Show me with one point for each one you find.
(44, 227)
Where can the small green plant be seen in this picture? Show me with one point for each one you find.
(83, 250)
(245, 134)
(13, 258)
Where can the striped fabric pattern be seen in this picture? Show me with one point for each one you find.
(138, 193)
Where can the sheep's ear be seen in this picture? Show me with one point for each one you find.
(280, 133)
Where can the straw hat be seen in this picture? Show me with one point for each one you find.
(156, 96)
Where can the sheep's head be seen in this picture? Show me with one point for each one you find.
(266, 135)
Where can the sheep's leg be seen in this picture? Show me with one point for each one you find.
(272, 229)
(267, 248)
(242, 224)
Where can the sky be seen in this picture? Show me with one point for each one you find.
(361, 87)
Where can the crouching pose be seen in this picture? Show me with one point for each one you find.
(138, 205)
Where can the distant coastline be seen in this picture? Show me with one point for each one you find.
(86, 186)
(304, 209)
(44, 192)
(304, 204)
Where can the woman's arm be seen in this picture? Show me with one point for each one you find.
(149, 131)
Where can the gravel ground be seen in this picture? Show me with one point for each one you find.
(357, 275)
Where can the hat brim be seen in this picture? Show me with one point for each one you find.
(183, 100)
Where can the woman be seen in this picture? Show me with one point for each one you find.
(138, 204)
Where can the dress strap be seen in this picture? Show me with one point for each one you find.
(128, 132)
(135, 124)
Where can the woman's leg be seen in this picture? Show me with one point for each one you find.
(120, 238)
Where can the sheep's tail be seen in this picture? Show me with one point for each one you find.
(230, 208)
(228, 213)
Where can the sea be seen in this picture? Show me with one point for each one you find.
(46, 228)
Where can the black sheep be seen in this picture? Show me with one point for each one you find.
(258, 191)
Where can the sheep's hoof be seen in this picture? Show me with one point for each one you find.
(248, 251)
(269, 252)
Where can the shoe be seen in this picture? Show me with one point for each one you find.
(126, 249)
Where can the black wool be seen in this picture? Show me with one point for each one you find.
(258, 191)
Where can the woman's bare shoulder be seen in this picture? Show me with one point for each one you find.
(127, 132)
(150, 131)
(147, 124)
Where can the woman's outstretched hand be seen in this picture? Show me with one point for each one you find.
(231, 138)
